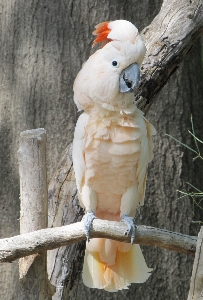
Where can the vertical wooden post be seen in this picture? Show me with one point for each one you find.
(196, 283)
(34, 212)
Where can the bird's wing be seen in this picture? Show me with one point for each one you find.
(78, 150)
(145, 157)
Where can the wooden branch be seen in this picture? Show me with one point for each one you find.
(168, 40)
(34, 282)
(196, 283)
(33, 187)
(50, 238)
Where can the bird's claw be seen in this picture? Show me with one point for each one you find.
(87, 221)
(130, 222)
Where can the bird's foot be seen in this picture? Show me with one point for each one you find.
(130, 222)
(87, 221)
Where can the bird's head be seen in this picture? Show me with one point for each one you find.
(112, 73)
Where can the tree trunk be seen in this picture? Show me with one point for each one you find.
(43, 45)
(34, 283)
(39, 61)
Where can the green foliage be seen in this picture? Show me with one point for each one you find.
(196, 195)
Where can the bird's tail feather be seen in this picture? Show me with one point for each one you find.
(129, 267)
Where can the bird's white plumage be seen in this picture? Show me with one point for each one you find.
(112, 279)
(123, 31)
(78, 149)
(111, 151)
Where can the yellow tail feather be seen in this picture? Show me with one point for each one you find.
(130, 267)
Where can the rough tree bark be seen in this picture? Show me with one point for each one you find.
(43, 45)
(34, 282)
(33, 187)
(39, 59)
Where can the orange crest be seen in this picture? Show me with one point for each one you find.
(102, 32)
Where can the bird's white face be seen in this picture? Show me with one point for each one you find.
(105, 76)
(111, 74)
(100, 79)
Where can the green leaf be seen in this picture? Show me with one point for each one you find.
(194, 158)
(193, 134)
(182, 143)
(184, 193)
(198, 204)
(199, 222)
(195, 138)
(194, 187)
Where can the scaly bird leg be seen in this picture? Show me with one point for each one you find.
(87, 221)
(130, 222)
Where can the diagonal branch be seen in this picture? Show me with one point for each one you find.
(168, 39)
(51, 238)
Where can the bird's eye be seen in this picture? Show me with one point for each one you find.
(115, 63)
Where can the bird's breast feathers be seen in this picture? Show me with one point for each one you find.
(113, 151)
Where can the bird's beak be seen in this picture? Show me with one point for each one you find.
(129, 78)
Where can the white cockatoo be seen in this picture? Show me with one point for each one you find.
(111, 150)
